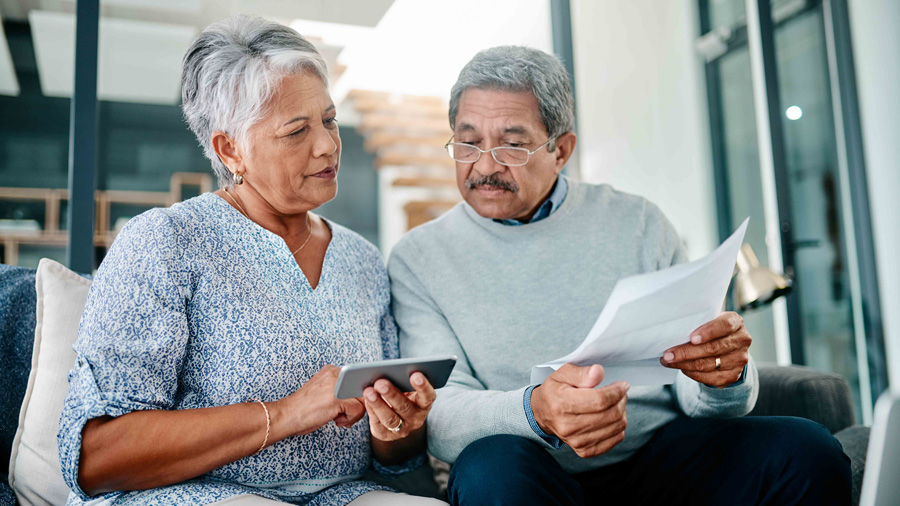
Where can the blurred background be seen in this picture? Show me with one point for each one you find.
(782, 110)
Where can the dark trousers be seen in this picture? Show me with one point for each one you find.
(739, 461)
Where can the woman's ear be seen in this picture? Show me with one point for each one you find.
(565, 146)
(227, 150)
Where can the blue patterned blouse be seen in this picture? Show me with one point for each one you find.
(196, 306)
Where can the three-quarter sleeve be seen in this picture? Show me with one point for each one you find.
(132, 336)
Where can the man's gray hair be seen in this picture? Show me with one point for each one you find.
(231, 71)
(519, 68)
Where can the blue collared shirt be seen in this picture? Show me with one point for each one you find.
(556, 198)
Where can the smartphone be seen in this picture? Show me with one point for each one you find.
(354, 378)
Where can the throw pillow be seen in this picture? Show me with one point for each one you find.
(34, 470)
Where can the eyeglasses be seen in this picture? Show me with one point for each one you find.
(511, 157)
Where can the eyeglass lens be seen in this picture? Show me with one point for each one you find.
(507, 156)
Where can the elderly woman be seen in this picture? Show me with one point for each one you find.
(205, 354)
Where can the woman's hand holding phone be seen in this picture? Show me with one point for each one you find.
(394, 415)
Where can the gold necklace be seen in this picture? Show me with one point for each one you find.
(308, 235)
(308, 225)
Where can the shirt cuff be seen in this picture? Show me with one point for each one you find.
(553, 441)
(740, 380)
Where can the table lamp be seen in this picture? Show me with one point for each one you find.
(756, 285)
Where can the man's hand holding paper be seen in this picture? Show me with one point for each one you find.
(591, 421)
(717, 353)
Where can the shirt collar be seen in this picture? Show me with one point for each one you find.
(548, 207)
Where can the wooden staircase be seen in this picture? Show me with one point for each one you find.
(417, 178)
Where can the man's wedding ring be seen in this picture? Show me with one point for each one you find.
(718, 365)
(400, 425)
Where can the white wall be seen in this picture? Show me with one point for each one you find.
(642, 115)
(875, 29)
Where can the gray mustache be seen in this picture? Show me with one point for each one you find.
(492, 181)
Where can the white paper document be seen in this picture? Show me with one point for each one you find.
(649, 313)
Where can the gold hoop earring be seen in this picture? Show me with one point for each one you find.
(237, 178)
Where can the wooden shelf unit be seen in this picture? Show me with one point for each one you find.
(51, 235)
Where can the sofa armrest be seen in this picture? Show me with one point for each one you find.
(800, 391)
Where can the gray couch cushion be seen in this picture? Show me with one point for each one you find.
(855, 441)
(17, 321)
(800, 391)
(7, 496)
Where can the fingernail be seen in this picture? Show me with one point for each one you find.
(623, 385)
(370, 394)
(417, 379)
(381, 386)
(669, 356)
(695, 338)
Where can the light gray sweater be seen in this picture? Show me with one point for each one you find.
(506, 298)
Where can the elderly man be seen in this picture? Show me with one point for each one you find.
(517, 274)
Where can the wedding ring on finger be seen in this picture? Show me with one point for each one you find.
(718, 363)
(397, 428)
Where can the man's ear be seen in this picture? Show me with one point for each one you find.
(565, 146)
(227, 150)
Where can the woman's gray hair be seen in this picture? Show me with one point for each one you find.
(230, 72)
(519, 68)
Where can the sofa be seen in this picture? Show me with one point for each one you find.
(31, 323)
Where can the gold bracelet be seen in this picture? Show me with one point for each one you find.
(268, 424)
